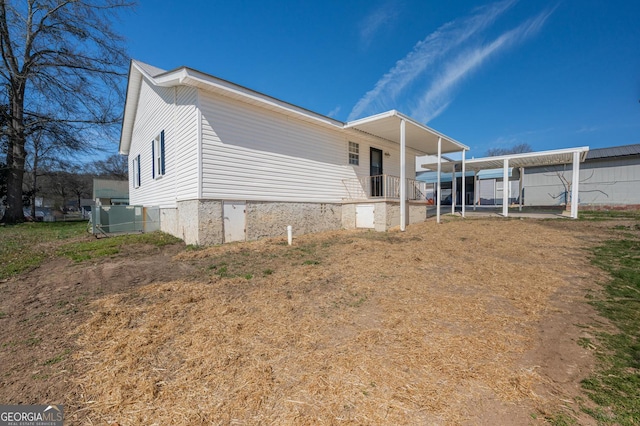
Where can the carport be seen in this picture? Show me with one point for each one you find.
(572, 156)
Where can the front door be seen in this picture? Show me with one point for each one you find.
(375, 171)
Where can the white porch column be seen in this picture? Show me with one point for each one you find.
(575, 183)
(403, 178)
(454, 185)
(439, 186)
(505, 188)
(464, 184)
(475, 189)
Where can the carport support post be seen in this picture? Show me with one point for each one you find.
(403, 178)
(575, 182)
(453, 188)
(439, 171)
(520, 188)
(464, 185)
(475, 189)
(505, 188)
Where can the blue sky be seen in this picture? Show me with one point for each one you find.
(553, 74)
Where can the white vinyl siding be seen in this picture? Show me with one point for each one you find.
(249, 153)
(172, 110)
(254, 154)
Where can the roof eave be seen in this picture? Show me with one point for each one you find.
(130, 105)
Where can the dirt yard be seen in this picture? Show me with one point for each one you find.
(467, 322)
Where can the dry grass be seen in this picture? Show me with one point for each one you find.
(343, 327)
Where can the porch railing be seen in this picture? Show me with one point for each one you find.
(383, 187)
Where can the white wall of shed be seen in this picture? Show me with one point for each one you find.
(612, 181)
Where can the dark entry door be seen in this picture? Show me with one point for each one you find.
(375, 171)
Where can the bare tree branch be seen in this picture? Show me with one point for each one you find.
(61, 76)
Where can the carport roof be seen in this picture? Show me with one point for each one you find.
(527, 159)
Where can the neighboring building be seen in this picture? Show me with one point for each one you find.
(110, 192)
(609, 177)
(225, 163)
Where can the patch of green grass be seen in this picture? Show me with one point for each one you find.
(351, 300)
(25, 246)
(105, 247)
(2, 314)
(222, 270)
(56, 359)
(561, 419)
(40, 376)
(33, 341)
(586, 343)
(267, 272)
(311, 262)
(596, 215)
(615, 386)
(194, 247)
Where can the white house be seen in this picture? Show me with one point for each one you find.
(226, 163)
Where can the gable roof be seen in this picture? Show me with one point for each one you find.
(385, 126)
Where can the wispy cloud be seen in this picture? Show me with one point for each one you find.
(452, 45)
(425, 53)
(334, 111)
(375, 20)
(588, 129)
(439, 94)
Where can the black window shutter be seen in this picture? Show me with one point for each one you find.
(139, 179)
(153, 159)
(162, 150)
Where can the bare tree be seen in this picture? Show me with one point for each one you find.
(48, 146)
(62, 66)
(567, 183)
(516, 149)
(115, 166)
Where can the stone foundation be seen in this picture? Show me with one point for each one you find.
(201, 222)
(386, 214)
(270, 219)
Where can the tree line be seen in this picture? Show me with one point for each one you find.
(62, 186)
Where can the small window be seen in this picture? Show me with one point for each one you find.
(136, 171)
(354, 153)
(157, 154)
